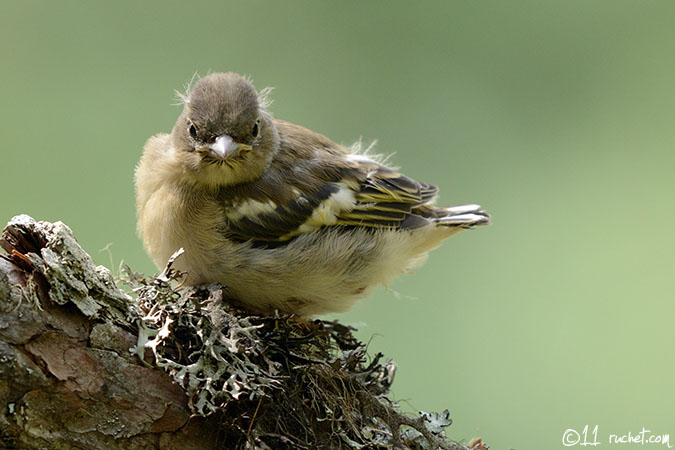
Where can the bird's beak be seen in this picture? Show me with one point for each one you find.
(223, 147)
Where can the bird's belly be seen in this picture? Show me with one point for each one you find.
(320, 272)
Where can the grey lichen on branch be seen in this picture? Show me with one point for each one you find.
(85, 363)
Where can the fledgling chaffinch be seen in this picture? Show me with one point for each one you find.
(285, 218)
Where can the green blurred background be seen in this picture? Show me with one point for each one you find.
(557, 117)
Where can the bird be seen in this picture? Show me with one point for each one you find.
(287, 220)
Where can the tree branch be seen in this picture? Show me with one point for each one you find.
(85, 364)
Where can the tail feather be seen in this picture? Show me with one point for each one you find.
(464, 216)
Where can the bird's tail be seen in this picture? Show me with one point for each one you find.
(464, 216)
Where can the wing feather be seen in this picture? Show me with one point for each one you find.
(325, 186)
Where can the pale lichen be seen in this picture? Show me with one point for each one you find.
(278, 381)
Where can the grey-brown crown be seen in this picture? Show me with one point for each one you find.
(223, 103)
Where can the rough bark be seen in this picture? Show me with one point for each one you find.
(84, 364)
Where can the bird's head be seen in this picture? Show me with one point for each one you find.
(224, 135)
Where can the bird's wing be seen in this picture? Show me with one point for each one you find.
(331, 189)
(385, 198)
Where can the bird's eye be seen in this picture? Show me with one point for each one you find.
(192, 129)
(256, 129)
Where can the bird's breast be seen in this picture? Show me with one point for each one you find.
(173, 219)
